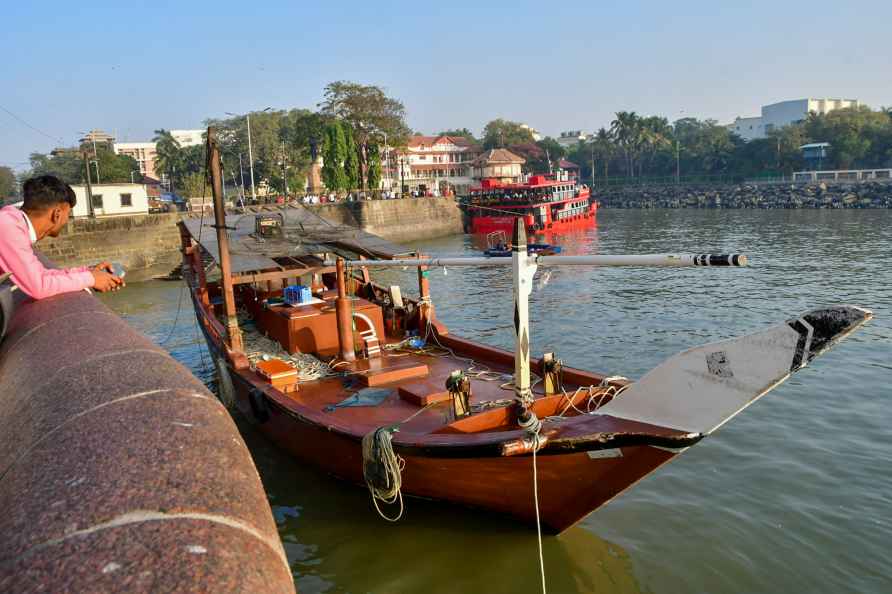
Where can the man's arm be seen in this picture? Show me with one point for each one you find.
(32, 277)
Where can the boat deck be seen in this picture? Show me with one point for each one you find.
(416, 381)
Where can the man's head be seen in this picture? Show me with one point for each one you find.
(48, 203)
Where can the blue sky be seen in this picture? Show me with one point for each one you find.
(131, 67)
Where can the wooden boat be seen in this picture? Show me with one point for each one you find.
(498, 246)
(383, 393)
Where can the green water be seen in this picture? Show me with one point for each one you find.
(793, 495)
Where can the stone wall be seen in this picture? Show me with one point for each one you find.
(855, 195)
(405, 219)
(143, 244)
(149, 244)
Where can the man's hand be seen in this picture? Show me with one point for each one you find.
(104, 267)
(104, 280)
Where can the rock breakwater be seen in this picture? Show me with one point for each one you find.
(856, 195)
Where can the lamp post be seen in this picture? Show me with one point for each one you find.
(250, 150)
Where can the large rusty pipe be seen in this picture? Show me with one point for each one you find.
(344, 316)
(119, 471)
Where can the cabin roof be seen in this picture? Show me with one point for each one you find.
(305, 233)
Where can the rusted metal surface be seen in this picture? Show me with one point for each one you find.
(119, 471)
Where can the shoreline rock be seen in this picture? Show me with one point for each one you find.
(854, 195)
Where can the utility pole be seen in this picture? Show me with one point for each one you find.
(90, 212)
(242, 172)
(251, 161)
(284, 171)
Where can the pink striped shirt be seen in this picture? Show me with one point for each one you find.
(28, 272)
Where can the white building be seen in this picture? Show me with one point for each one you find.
(778, 115)
(188, 137)
(435, 162)
(112, 200)
(571, 138)
(535, 133)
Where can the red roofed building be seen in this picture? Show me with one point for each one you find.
(437, 164)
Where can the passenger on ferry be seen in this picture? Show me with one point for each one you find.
(47, 205)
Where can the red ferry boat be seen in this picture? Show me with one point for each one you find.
(545, 204)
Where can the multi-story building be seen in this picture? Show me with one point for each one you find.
(145, 152)
(142, 152)
(784, 113)
(436, 162)
(97, 137)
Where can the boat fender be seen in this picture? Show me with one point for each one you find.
(225, 388)
(259, 407)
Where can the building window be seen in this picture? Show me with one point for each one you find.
(126, 200)
(97, 200)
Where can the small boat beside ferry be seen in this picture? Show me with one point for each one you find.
(363, 381)
(545, 203)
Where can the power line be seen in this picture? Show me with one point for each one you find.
(53, 138)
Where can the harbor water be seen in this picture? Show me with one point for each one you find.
(792, 495)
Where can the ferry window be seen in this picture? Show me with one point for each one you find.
(97, 200)
(126, 200)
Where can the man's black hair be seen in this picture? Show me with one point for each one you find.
(46, 191)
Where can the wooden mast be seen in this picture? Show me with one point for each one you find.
(232, 330)
(344, 316)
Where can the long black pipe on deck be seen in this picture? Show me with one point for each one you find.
(119, 470)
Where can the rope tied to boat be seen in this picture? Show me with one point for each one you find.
(382, 470)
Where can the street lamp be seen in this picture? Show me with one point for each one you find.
(250, 151)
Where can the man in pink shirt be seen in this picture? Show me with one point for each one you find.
(47, 205)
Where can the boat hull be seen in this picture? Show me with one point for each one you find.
(570, 485)
(483, 223)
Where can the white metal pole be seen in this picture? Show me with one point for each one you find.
(664, 260)
(251, 160)
(523, 269)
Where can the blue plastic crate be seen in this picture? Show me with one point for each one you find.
(297, 294)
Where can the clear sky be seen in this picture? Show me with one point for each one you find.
(131, 67)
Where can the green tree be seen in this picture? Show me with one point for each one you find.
(502, 133)
(459, 132)
(7, 182)
(66, 164)
(333, 156)
(627, 133)
(369, 112)
(194, 186)
(374, 172)
(352, 171)
(168, 155)
(114, 168)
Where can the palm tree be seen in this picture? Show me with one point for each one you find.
(168, 155)
(626, 130)
(604, 147)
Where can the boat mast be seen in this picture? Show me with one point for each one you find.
(232, 330)
(524, 269)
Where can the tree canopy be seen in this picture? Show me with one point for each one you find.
(7, 182)
(502, 133)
